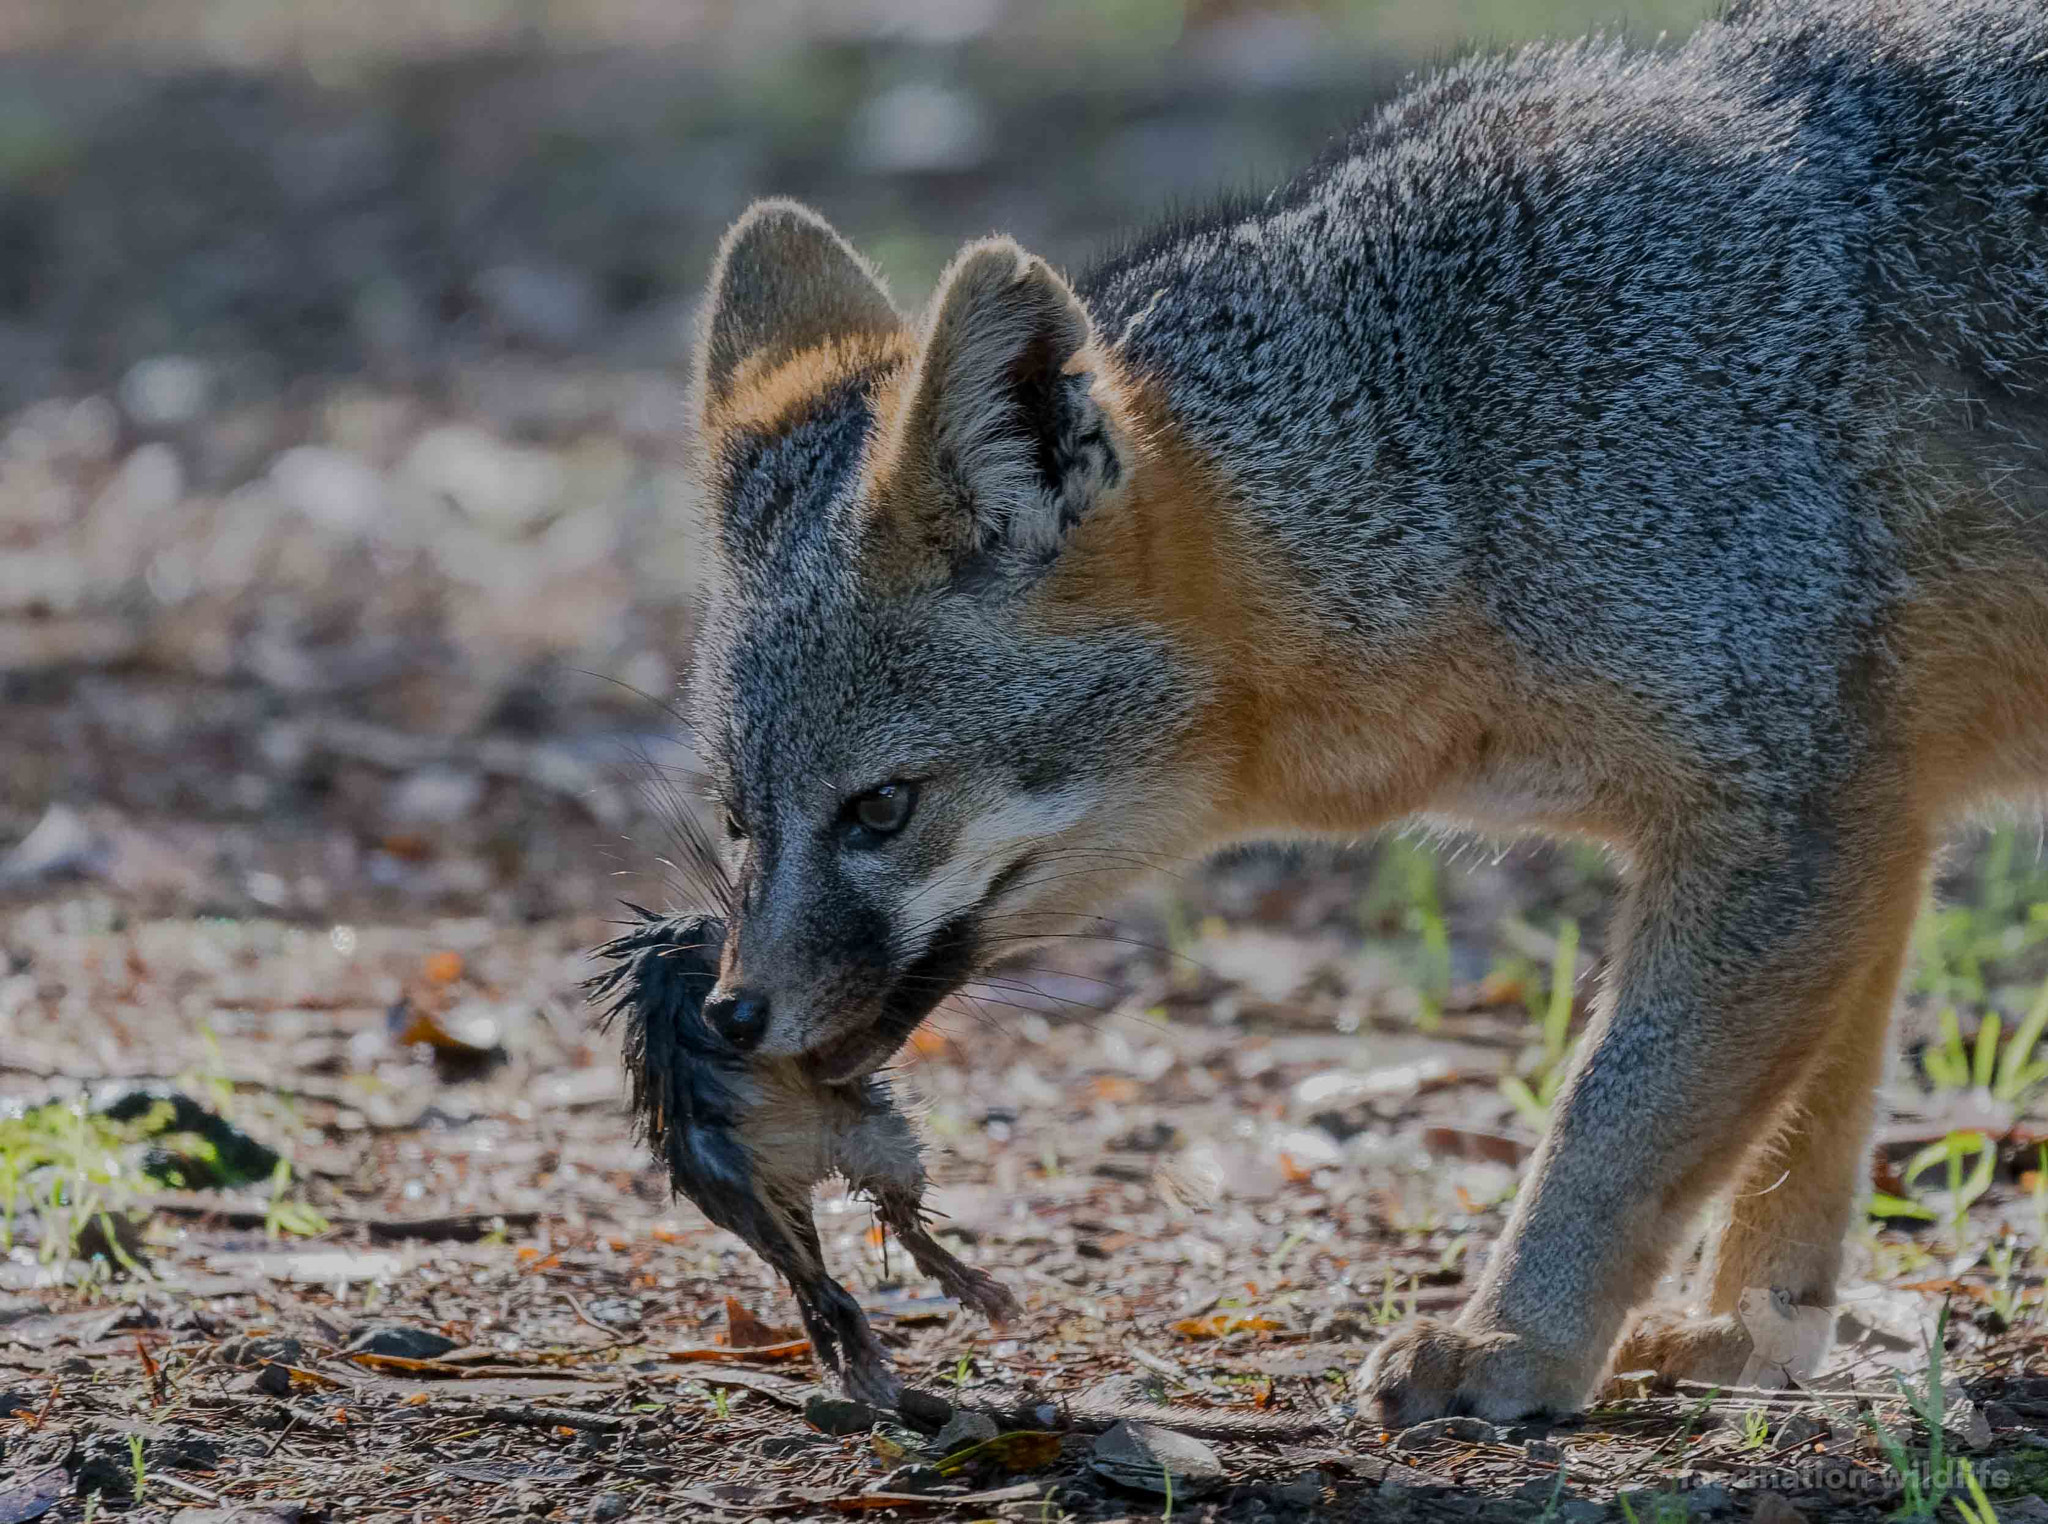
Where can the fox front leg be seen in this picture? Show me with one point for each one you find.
(1745, 966)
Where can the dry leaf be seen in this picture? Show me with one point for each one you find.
(444, 967)
(1023, 1450)
(745, 1331)
(791, 1350)
(1217, 1325)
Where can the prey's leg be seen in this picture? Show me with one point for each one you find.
(971, 1287)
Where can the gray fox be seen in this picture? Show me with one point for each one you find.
(1646, 447)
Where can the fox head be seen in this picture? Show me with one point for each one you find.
(935, 715)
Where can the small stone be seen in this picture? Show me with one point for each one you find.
(927, 1410)
(273, 1381)
(104, 1465)
(436, 796)
(1771, 1508)
(1709, 1499)
(1142, 1456)
(333, 488)
(401, 1340)
(1464, 1430)
(839, 1415)
(1967, 1423)
(963, 1429)
(912, 1479)
(259, 1351)
(166, 391)
(61, 842)
(1799, 1429)
(1544, 1451)
(611, 1505)
(1351, 1320)
(920, 127)
(541, 304)
(1303, 1491)
(183, 1450)
(503, 487)
(783, 1446)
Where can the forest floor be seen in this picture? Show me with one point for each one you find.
(370, 1237)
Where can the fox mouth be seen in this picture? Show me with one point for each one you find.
(954, 954)
(914, 994)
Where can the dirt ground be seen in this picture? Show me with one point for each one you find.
(1213, 1152)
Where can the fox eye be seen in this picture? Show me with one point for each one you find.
(881, 811)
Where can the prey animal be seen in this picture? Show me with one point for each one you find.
(747, 1137)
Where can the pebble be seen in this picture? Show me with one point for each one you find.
(436, 796)
(963, 1429)
(61, 842)
(1466, 1430)
(260, 1351)
(272, 1381)
(926, 1409)
(839, 1415)
(1771, 1508)
(334, 488)
(401, 1340)
(166, 391)
(1141, 1456)
(920, 126)
(783, 1446)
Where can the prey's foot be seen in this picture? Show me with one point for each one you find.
(972, 1288)
(1431, 1369)
(844, 1344)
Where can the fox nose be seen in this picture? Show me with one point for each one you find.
(739, 1016)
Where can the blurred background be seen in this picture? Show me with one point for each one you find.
(341, 357)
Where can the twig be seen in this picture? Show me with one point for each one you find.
(554, 1418)
(158, 1479)
(617, 1340)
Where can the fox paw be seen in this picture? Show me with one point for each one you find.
(1431, 1369)
(1676, 1346)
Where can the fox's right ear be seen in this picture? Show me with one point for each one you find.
(1002, 445)
(784, 282)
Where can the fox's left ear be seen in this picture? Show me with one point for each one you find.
(1001, 446)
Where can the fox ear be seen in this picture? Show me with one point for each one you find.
(784, 282)
(1001, 448)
